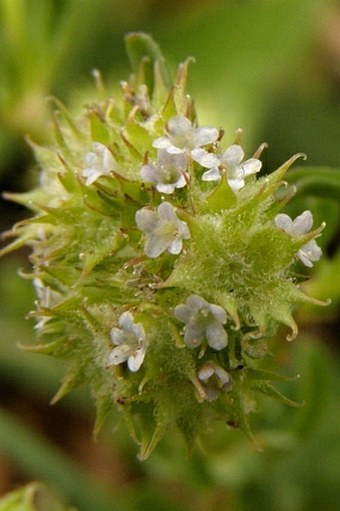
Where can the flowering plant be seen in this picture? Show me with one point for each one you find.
(160, 257)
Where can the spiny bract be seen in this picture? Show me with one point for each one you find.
(160, 261)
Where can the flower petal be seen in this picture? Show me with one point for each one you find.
(136, 359)
(182, 181)
(216, 336)
(193, 335)
(174, 150)
(205, 135)
(138, 331)
(117, 336)
(309, 253)
(166, 188)
(284, 222)
(167, 212)
(91, 175)
(176, 246)
(236, 184)
(150, 173)
(183, 313)
(155, 246)
(196, 302)
(219, 313)
(126, 322)
(183, 230)
(233, 155)
(302, 224)
(251, 166)
(119, 355)
(161, 143)
(222, 376)
(179, 126)
(205, 159)
(211, 175)
(90, 158)
(146, 220)
(206, 371)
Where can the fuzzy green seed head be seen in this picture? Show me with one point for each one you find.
(160, 259)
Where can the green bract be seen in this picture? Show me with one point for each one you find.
(159, 281)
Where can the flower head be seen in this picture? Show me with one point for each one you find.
(202, 320)
(167, 173)
(215, 379)
(231, 161)
(182, 137)
(99, 162)
(130, 342)
(310, 252)
(164, 231)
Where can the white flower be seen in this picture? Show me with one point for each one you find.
(310, 252)
(167, 173)
(99, 162)
(164, 231)
(231, 161)
(215, 379)
(130, 342)
(202, 319)
(47, 298)
(182, 137)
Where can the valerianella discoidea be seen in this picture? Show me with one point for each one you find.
(159, 253)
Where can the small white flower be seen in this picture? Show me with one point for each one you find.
(167, 173)
(202, 320)
(164, 231)
(231, 161)
(130, 342)
(182, 137)
(215, 379)
(310, 252)
(99, 162)
(47, 298)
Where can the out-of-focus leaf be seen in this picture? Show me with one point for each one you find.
(40, 459)
(143, 51)
(321, 182)
(244, 50)
(325, 285)
(33, 497)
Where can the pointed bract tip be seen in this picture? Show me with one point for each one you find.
(294, 332)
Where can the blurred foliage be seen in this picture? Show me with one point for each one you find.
(33, 497)
(270, 66)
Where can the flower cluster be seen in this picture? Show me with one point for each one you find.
(164, 231)
(182, 138)
(130, 343)
(167, 173)
(215, 379)
(202, 320)
(231, 163)
(309, 252)
(159, 259)
(183, 142)
(99, 162)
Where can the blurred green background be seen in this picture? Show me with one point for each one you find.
(271, 67)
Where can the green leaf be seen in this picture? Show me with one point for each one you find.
(321, 182)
